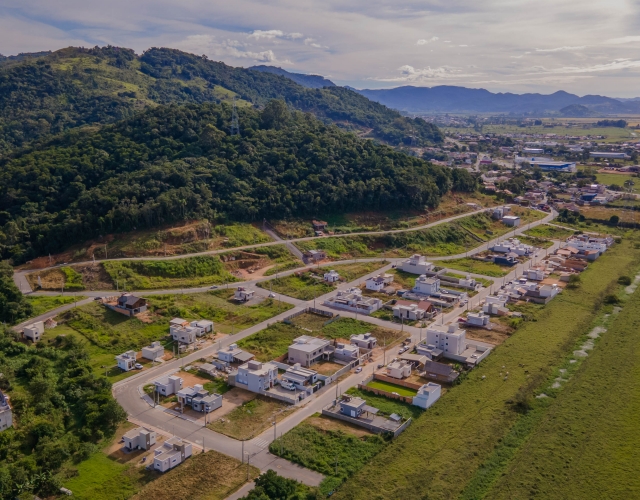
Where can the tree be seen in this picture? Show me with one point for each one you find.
(613, 220)
(275, 114)
(271, 486)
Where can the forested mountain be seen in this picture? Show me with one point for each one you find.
(173, 162)
(309, 81)
(73, 87)
(450, 99)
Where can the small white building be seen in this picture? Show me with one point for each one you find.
(496, 305)
(535, 274)
(233, 354)
(364, 340)
(298, 378)
(427, 395)
(154, 352)
(307, 350)
(427, 286)
(204, 324)
(199, 399)
(139, 438)
(168, 385)
(6, 414)
(34, 331)
(377, 283)
(511, 220)
(417, 264)
(353, 301)
(346, 352)
(243, 294)
(173, 452)
(182, 331)
(399, 369)
(256, 376)
(478, 319)
(409, 311)
(331, 277)
(127, 361)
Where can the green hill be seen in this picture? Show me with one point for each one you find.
(47, 93)
(177, 162)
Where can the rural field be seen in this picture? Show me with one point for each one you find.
(476, 415)
(619, 180)
(304, 285)
(43, 303)
(548, 231)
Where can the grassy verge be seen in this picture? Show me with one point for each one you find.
(303, 287)
(474, 266)
(336, 452)
(475, 415)
(252, 418)
(389, 387)
(387, 406)
(42, 304)
(179, 273)
(550, 232)
(205, 476)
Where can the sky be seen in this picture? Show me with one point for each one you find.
(583, 47)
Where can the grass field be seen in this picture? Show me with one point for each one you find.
(252, 418)
(59, 279)
(550, 232)
(618, 180)
(389, 387)
(570, 450)
(351, 272)
(275, 340)
(43, 303)
(301, 286)
(535, 241)
(474, 266)
(448, 238)
(336, 451)
(205, 476)
(477, 414)
(163, 274)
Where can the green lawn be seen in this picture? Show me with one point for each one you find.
(386, 405)
(43, 303)
(351, 272)
(550, 232)
(303, 287)
(389, 387)
(164, 274)
(477, 414)
(474, 266)
(619, 179)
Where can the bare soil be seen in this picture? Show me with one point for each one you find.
(496, 336)
(330, 424)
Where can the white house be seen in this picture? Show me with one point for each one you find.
(183, 332)
(204, 324)
(168, 385)
(399, 369)
(233, 354)
(427, 395)
(307, 350)
(256, 376)
(427, 286)
(352, 300)
(153, 352)
(173, 452)
(139, 438)
(535, 274)
(417, 264)
(511, 220)
(346, 352)
(409, 310)
(299, 378)
(377, 283)
(34, 331)
(496, 305)
(450, 340)
(127, 360)
(6, 415)
(199, 399)
(331, 277)
(364, 341)
(477, 319)
(243, 294)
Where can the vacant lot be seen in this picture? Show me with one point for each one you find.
(158, 274)
(205, 476)
(619, 180)
(59, 279)
(449, 238)
(42, 304)
(252, 418)
(550, 232)
(331, 448)
(259, 261)
(351, 272)
(469, 265)
(389, 387)
(571, 451)
(603, 214)
(303, 285)
(387, 406)
(476, 414)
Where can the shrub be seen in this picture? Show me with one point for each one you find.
(624, 280)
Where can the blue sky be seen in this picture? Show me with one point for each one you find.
(518, 46)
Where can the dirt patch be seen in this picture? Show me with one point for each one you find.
(496, 336)
(327, 368)
(330, 424)
(189, 379)
(554, 281)
(94, 277)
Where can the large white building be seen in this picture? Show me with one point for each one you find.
(451, 339)
(377, 283)
(256, 376)
(427, 286)
(353, 301)
(417, 264)
(307, 350)
(182, 331)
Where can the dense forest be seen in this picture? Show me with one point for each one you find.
(61, 410)
(52, 92)
(175, 162)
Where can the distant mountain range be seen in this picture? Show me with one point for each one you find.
(449, 99)
(309, 81)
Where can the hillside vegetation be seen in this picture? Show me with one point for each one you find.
(174, 163)
(51, 92)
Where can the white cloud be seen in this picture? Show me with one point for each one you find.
(616, 65)
(425, 41)
(311, 42)
(463, 45)
(209, 45)
(271, 34)
(410, 74)
(562, 49)
(623, 40)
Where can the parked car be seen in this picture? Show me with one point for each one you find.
(272, 295)
(359, 369)
(97, 298)
(138, 366)
(213, 287)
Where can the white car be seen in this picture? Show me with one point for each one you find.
(138, 366)
(272, 295)
(359, 369)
